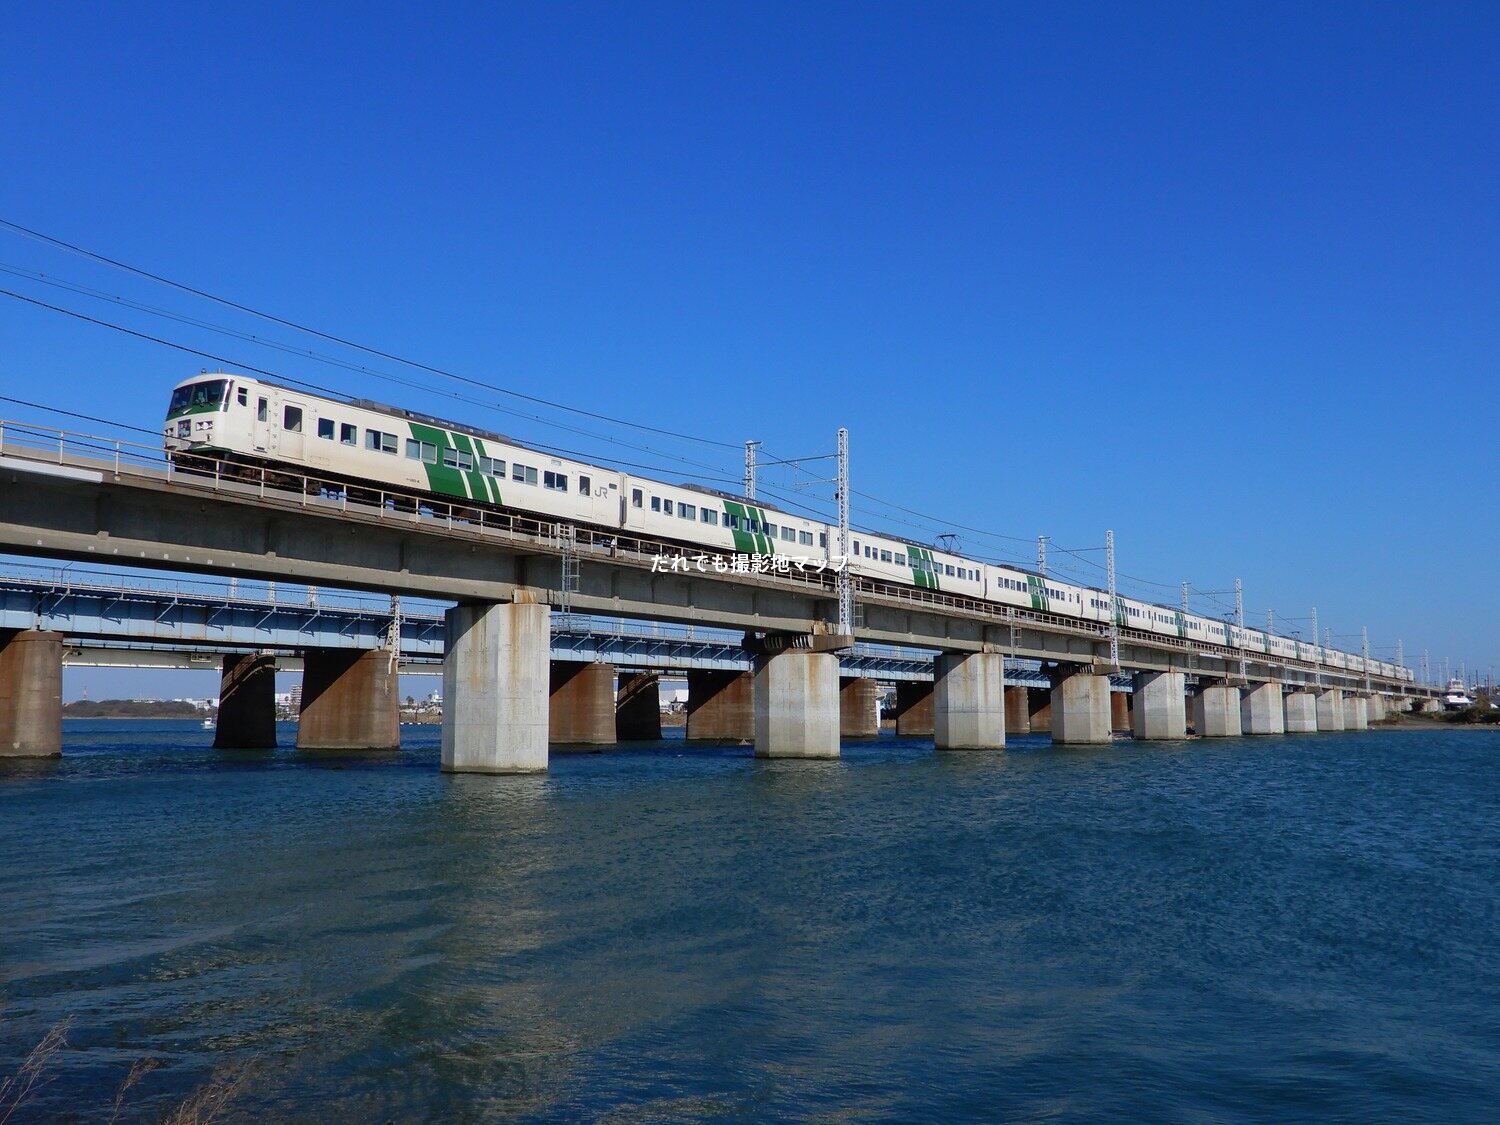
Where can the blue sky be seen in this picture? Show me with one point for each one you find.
(1220, 277)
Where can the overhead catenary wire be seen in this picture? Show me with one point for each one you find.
(315, 388)
(334, 361)
(226, 302)
(75, 414)
(714, 474)
(795, 463)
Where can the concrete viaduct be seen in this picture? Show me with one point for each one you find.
(507, 572)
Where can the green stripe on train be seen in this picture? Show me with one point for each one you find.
(204, 408)
(491, 485)
(441, 478)
(1038, 591)
(747, 542)
(924, 568)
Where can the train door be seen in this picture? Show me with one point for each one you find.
(293, 419)
(260, 429)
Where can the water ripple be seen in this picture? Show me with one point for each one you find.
(1294, 928)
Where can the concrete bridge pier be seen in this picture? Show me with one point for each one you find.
(1377, 709)
(796, 694)
(350, 701)
(1330, 709)
(580, 703)
(1301, 712)
(720, 706)
(1216, 710)
(247, 703)
(1262, 711)
(638, 707)
(495, 686)
(1017, 709)
(914, 718)
(1160, 710)
(1356, 712)
(968, 695)
(1080, 706)
(859, 707)
(30, 694)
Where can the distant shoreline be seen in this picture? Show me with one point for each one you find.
(134, 709)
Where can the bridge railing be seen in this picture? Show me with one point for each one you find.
(54, 446)
(290, 488)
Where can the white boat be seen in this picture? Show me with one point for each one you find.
(208, 724)
(1456, 698)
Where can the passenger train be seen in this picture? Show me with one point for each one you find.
(251, 425)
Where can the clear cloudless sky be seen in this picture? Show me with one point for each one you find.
(1221, 277)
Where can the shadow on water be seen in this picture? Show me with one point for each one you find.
(29, 769)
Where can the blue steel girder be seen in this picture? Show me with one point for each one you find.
(149, 619)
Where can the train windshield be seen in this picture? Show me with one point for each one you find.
(198, 396)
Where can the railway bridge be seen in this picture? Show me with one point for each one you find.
(76, 497)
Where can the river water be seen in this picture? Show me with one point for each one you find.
(1291, 928)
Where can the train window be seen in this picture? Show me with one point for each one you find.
(666, 507)
(856, 546)
(458, 459)
(585, 485)
(710, 517)
(789, 534)
(822, 539)
(491, 467)
(523, 473)
(557, 482)
(635, 497)
(771, 530)
(731, 521)
(291, 419)
(687, 511)
(243, 396)
(885, 556)
(804, 538)
(948, 570)
(380, 442)
(348, 434)
(424, 451)
(325, 428)
(656, 503)
(260, 410)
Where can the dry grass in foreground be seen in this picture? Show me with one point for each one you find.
(203, 1105)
